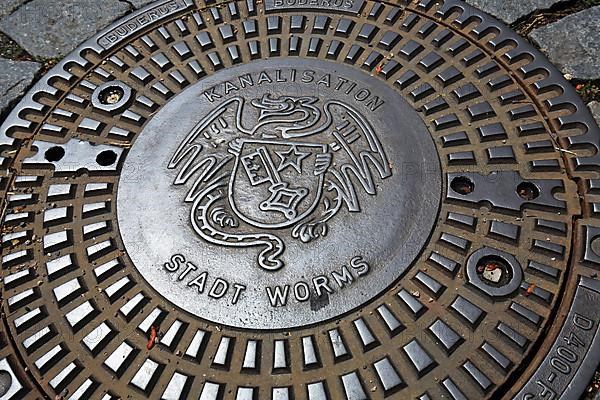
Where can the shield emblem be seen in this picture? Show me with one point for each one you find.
(276, 184)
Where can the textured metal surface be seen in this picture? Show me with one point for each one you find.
(475, 208)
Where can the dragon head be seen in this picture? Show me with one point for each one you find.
(289, 113)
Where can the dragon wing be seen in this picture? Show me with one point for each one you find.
(201, 154)
(358, 154)
(202, 159)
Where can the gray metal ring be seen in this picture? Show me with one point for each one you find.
(501, 291)
(117, 106)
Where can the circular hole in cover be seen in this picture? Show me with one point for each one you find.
(528, 191)
(106, 158)
(494, 270)
(111, 95)
(462, 185)
(5, 382)
(54, 154)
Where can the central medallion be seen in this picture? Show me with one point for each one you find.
(276, 195)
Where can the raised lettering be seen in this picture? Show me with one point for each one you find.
(308, 76)
(190, 267)
(360, 266)
(582, 322)
(301, 287)
(325, 80)
(211, 95)
(278, 77)
(176, 261)
(264, 77)
(219, 289)
(573, 340)
(374, 103)
(321, 282)
(238, 291)
(246, 80)
(362, 95)
(230, 87)
(341, 82)
(566, 354)
(199, 282)
(343, 279)
(560, 365)
(278, 296)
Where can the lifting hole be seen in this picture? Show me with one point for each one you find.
(488, 265)
(111, 95)
(54, 154)
(528, 191)
(106, 158)
(5, 382)
(462, 185)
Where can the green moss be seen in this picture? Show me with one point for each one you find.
(588, 91)
(11, 50)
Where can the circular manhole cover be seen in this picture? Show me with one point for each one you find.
(295, 199)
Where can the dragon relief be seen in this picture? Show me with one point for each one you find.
(276, 165)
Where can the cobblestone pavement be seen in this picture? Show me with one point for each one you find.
(35, 34)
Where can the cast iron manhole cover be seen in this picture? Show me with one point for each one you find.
(300, 199)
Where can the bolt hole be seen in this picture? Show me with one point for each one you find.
(462, 185)
(5, 382)
(494, 270)
(528, 191)
(54, 154)
(106, 158)
(111, 95)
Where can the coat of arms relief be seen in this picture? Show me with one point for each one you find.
(276, 168)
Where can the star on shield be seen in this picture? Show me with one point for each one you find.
(291, 158)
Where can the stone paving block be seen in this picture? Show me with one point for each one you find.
(573, 43)
(141, 3)
(594, 107)
(15, 78)
(8, 6)
(511, 10)
(48, 28)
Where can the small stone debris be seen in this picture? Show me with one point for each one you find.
(153, 338)
(493, 275)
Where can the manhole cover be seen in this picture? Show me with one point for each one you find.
(301, 199)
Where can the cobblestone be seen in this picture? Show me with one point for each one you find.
(8, 6)
(50, 29)
(573, 43)
(15, 78)
(594, 107)
(140, 3)
(510, 11)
